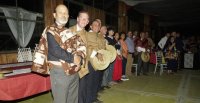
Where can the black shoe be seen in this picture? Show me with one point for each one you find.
(102, 89)
(108, 87)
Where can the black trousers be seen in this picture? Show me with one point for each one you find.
(92, 80)
(142, 66)
(82, 90)
(89, 86)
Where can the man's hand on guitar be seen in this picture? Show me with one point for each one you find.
(99, 56)
(77, 60)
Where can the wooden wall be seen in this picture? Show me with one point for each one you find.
(49, 8)
(50, 5)
(146, 23)
(95, 13)
(122, 17)
(8, 57)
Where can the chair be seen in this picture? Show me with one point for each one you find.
(135, 65)
(159, 62)
(24, 55)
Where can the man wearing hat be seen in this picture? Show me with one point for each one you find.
(143, 57)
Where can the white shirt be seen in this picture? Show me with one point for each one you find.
(110, 36)
(78, 28)
(162, 42)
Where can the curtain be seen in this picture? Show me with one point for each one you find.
(22, 30)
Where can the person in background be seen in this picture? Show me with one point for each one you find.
(100, 24)
(163, 41)
(151, 44)
(131, 49)
(171, 56)
(108, 73)
(124, 51)
(180, 51)
(110, 38)
(173, 33)
(103, 31)
(142, 46)
(117, 72)
(135, 35)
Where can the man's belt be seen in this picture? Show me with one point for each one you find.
(68, 69)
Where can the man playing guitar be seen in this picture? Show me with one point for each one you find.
(142, 46)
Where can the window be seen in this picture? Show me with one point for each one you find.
(7, 40)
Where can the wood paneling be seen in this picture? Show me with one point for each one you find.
(122, 19)
(49, 8)
(95, 13)
(146, 23)
(8, 58)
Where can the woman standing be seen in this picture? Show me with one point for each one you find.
(117, 72)
(171, 56)
(124, 51)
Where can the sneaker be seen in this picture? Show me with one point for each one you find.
(124, 78)
(107, 87)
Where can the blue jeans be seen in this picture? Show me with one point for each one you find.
(107, 75)
(124, 61)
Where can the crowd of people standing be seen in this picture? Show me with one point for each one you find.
(82, 82)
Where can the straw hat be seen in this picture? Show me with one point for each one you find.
(101, 65)
(145, 57)
(113, 52)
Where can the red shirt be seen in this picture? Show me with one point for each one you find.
(141, 43)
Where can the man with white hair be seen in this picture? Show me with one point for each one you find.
(61, 54)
